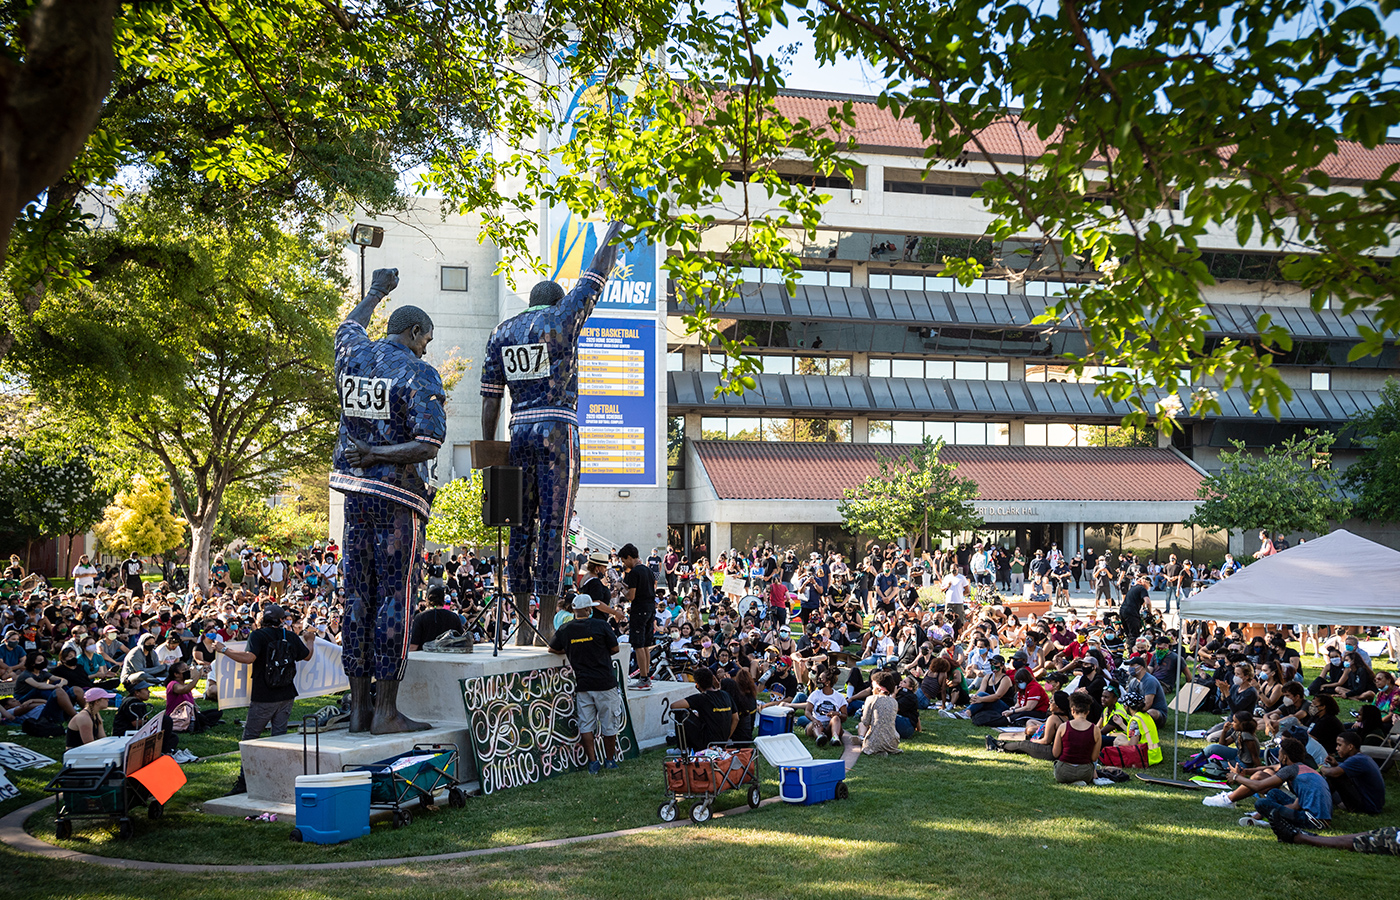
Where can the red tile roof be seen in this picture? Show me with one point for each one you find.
(766, 470)
(1007, 138)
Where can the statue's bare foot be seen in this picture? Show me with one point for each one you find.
(396, 723)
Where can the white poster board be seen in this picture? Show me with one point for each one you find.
(320, 675)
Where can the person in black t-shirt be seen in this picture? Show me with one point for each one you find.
(269, 705)
(640, 582)
(434, 621)
(1131, 610)
(711, 718)
(589, 645)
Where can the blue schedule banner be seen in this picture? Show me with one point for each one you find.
(617, 401)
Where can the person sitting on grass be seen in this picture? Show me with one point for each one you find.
(1387, 696)
(1324, 724)
(993, 690)
(1114, 721)
(943, 683)
(1032, 703)
(877, 731)
(1310, 800)
(1332, 677)
(1142, 727)
(1238, 743)
(1289, 727)
(1146, 683)
(825, 710)
(86, 725)
(1354, 777)
(1360, 681)
(36, 683)
(1294, 705)
(1039, 736)
(1077, 744)
(1380, 840)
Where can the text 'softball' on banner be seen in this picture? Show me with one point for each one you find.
(617, 401)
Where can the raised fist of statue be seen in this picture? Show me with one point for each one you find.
(384, 281)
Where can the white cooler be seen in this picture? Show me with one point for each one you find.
(99, 753)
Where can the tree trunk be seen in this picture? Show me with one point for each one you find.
(201, 539)
(50, 103)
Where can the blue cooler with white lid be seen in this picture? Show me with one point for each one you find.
(332, 808)
(775, 720)
(802, 779)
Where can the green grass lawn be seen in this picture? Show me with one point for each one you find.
(944, 819)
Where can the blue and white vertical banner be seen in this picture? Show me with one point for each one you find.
(617, 401)
(573, 239)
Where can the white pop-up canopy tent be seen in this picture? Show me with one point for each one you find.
(1337, 579)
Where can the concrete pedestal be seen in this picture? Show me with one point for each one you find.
(431, 692)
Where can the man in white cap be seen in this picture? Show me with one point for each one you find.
(589, 644)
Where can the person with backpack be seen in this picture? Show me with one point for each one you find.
(273, 651)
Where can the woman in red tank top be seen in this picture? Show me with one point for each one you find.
(1077, 744)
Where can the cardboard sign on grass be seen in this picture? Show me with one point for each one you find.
(524, 726)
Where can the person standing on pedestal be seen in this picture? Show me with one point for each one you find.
(536, 354)
(392, 425)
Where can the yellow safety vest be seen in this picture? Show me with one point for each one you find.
(1147, 730)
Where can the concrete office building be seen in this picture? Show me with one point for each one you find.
(880, 348)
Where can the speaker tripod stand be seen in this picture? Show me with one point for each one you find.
(502, 504)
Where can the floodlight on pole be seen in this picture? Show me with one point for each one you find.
(363, 236)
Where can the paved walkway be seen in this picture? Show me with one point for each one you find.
(12, 834)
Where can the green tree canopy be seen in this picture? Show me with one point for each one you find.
(456, 519)
(1290, 487)
(206, 344)
(309, 106)
(1375, 477)
(912, 494)
(1144, 129)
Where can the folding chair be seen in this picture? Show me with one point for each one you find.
(1385, 753)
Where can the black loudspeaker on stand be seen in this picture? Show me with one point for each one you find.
(502, 500)
(502, 505)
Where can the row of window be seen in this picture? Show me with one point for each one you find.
(959, 369)
(747, 428)
(962, 369)
(826, 277)
(905, 281)
(1037, 434)
(900, 431)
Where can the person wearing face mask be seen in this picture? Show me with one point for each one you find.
(1352, 644)
(12, 654)
(1359, 682)
(98, 666)
(878, 648)
(1293, 704)
(1332, 677)
(1151, 689)
(993, 692)
(1242, 693)
(1031, 700)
